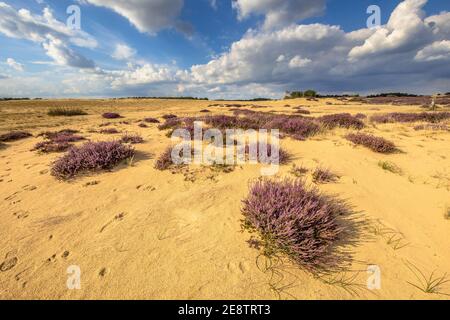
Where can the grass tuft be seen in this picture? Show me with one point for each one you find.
(65, 112)
(323, 175)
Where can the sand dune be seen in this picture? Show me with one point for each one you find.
(136, 232)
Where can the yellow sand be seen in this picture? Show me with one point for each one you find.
(141, 233)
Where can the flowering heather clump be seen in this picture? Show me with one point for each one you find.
(57, 141)
(299, 127)
(442, 127)
(376, 144)
(111, 115)
(170, 124)
(132, 138)
(109, 131)
(321, 175)
(343, 120)
(265, 157)
(222, 122)
(151, 120)
(14, 136)
(432, 117)
(91, 157)
(164, 161)
(299, 222)
(169, 116)
(360, 116)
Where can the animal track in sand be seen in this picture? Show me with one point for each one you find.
(29, 188)
(103, 272)
(146, 188)
(21, 214)
(9, 263)
(241, 267)
(117, 218)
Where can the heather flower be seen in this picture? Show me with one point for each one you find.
(343, 120)
(132, 138)
(376, 144)
(14, 136)
(111, 115)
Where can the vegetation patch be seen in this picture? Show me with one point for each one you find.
(297, 221)
(432, 117)
(65, 112)
(111, 115)
(324, 175)
(91, 157)
(376, 144)
(390, 166)
(132, 139)
(343, 120)
(14, 136)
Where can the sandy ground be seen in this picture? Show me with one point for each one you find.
(141, 233)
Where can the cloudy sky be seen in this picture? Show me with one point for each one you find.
(222, 48)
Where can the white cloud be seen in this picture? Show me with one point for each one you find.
(439, 50)
(123, 52)
(53, 35)
(148, 16)
(299, 62)
(279, 12)
(14, 64)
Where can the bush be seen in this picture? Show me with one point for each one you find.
(301, 111)
(91, 157)
(131, 138)
(109, 131)
(322, 175)
(65, 112)
(360, 116)
(142, 125)
(343, 120)
(151, 120)
(432, 117)
(169, 116)
(111, 115)
(205, 111)
(376, 144)
(283, 156)
(299, 127)
(170, 124)
(297, 221)
(14, 136)
(164, 161)
(51, 146)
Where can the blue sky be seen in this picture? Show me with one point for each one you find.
(216, 49)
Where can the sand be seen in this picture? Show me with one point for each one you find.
(139, 233)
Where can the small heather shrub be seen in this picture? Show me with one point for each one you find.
(51, 146)
(432, 117)
(323, 175)
(343, 120)
(164, 161)
(14, 136)
(131, 138)
(301, 111)
(169, 116)
(301, 128)
(360, 116)
(298, 171)
(376, 144)
(91, 157)
(109, 131)
(205, 111)
(170, 124)
(142, 125)
(111, 115)
(65, 112)
(283, 156)
(151, 120)
(294, 220)
(433, 126)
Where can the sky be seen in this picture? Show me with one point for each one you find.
(232, 49)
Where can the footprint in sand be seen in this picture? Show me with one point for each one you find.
(103, 272)
(29, 188)
(21, 214)
(241, 267)
(8, 264)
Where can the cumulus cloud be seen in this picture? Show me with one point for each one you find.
(123, 52)
(439, 50)
(148, 16)
(54, 36)
(279, 12)
(14, 64)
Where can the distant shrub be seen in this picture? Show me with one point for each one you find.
(65, 112)
(170, 124)
(205, 111)
(14, 136)
(360, 116)
(142, 125)
(432, 117)
(131, 138)
(109, 131)
(91, 157)
(299, 127)
(301, 111)
(343, 120)
(432, 126)
(52, 135)
(51, 146)
(390, 166)
(376, 144)
(294, 220)
(111, 115)
(164, 161)
(169, 116)
(323, 175)
(151, 120)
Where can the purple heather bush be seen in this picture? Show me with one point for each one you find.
(343, 120)
(284, 157)
(299, 127)
(297, 221)
(376, 144)
(432, 117)
(51, 146)
(131, 138)
(14, 136)
(170, 124)
(360, 116)
(432, 126)
(57, 141)
(169, 116)
(109, 131)
(151, 120)
(91, 157)
(164, 161)
(111, 115)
